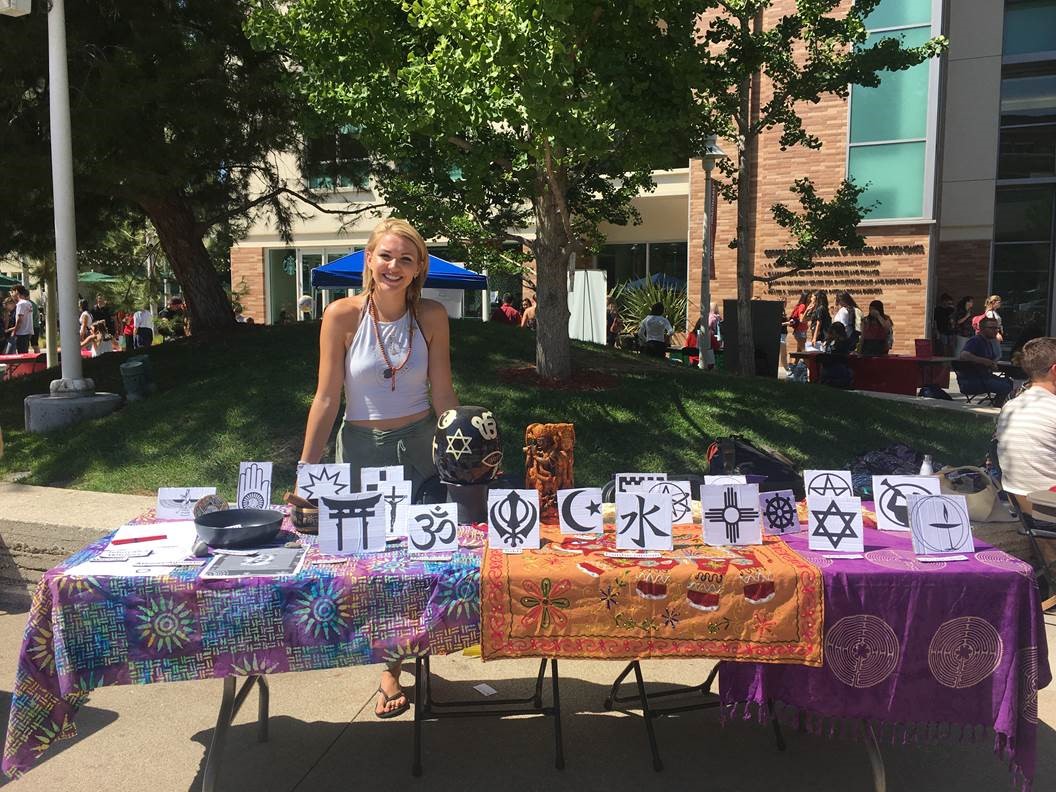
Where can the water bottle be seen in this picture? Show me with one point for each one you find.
(926, 468)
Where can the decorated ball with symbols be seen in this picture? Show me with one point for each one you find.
(467, 448)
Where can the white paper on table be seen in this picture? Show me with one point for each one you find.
(513, 519)
(579, 511)
(780, 513)
(180, 538)
(431, 528)
(835, 524)
(636, 482)
(828, 483)
(731, 515)
(940, 524)
(681, 493)
(393, 495)
(351, 524)
(891, 497)
(370, 478)
(317, 481)
(643, 521)
(177, 503)
(128, 568)
(725, 480)
(254, 485)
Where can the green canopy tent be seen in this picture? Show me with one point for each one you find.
(8, 283)
(96, 277)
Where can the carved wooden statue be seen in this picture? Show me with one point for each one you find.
(548, 462)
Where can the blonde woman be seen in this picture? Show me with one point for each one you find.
(389, 350)
(993, 302)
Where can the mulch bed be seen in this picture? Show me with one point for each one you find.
(581, 380)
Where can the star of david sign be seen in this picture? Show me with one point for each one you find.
(828, 484)
(832, 512)
(460, 438)
(323, 477)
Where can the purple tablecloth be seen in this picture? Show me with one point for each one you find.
(921, 651)
(86, 632)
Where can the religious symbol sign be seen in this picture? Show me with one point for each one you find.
(940, 524)
(371, 479)
(315, 481)
(779, 512)
(637, 482)
(731, 515)
(432, 528)
(358, 516)
(891, 495)
(643, 521)
(579, 510)
(393, 494)
(254, 485)
(177, 503)
(835, 524)
(513, 519)
(681, 493)
(725, 481)
(828, 483)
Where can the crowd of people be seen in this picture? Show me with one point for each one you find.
(505, 312)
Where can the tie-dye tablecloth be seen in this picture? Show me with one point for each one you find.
(86, 632)
(571, 598)
(920, 651)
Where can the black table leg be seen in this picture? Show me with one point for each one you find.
(230, 704)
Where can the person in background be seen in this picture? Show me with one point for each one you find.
(613, 325)
(84, 321)
(511, 314)
(7, 321)
(980, 376)
(942, 325)
(21, 327)
(128, 332)
(993, 302)
(99, 341)
(654, 331)
(849, 316)
(176, 315)
(818, 319)
(835, 371)
(102, 313)
(715, 323)
(877, 330)
(797, 323)
(239, 318)
(782, 339)
(528, 315)
(143, 324)
(1026, 427)
(962, 324)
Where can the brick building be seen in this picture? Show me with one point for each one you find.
(959, 154)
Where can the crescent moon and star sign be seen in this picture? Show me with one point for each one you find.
(580, 511)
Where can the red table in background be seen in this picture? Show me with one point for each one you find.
(21, 365)
(904, 374)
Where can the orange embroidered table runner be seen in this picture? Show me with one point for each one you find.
(572, 598)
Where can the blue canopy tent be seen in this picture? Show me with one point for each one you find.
(347, 272)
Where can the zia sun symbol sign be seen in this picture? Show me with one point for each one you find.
(731, 515)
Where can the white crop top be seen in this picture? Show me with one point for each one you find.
(369, 395)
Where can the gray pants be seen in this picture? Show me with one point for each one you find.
(410, 446)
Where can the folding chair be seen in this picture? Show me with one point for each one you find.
(1034, 532)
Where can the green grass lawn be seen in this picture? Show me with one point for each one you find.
(248, 396)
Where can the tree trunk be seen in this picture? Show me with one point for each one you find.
(208, 306)
(745, 252)
(553, 353)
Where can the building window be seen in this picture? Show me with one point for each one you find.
(889, 126)
(1023, 259)
(1028, 121)
(334, 162)
(622, 263)
(1030, 27)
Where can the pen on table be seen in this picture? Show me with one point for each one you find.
(135, 539)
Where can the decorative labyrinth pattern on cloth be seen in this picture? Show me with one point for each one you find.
(1028, 683)
(1002, 560)
(861, 651)
(964, 652)
(901, 558)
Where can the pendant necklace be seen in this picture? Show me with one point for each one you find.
(390, 371)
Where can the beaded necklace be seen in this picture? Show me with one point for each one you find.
(390, 371)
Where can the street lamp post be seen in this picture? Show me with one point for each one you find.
(712, 154)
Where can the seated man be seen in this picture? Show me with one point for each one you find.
(981, 355)
(1026, 428)
(654, 331)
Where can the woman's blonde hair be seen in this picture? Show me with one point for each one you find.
(404, 230)
(992, 300)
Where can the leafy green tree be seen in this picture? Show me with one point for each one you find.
(488, 117)
(760, 67)
(175, 118)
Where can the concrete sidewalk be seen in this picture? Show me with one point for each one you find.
(324, 735)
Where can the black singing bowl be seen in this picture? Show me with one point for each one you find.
(239, 527)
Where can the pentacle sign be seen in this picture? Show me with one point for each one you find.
(513, 522)
(829, 483)
(891, 495)
(940, 524)
(779, 512)
(964, 652)
(835, 524)
(861, 651)
(681, 503)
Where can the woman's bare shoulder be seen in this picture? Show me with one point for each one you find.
(345, 310)
(431, 311)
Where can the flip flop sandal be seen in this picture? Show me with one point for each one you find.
(385, 715)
